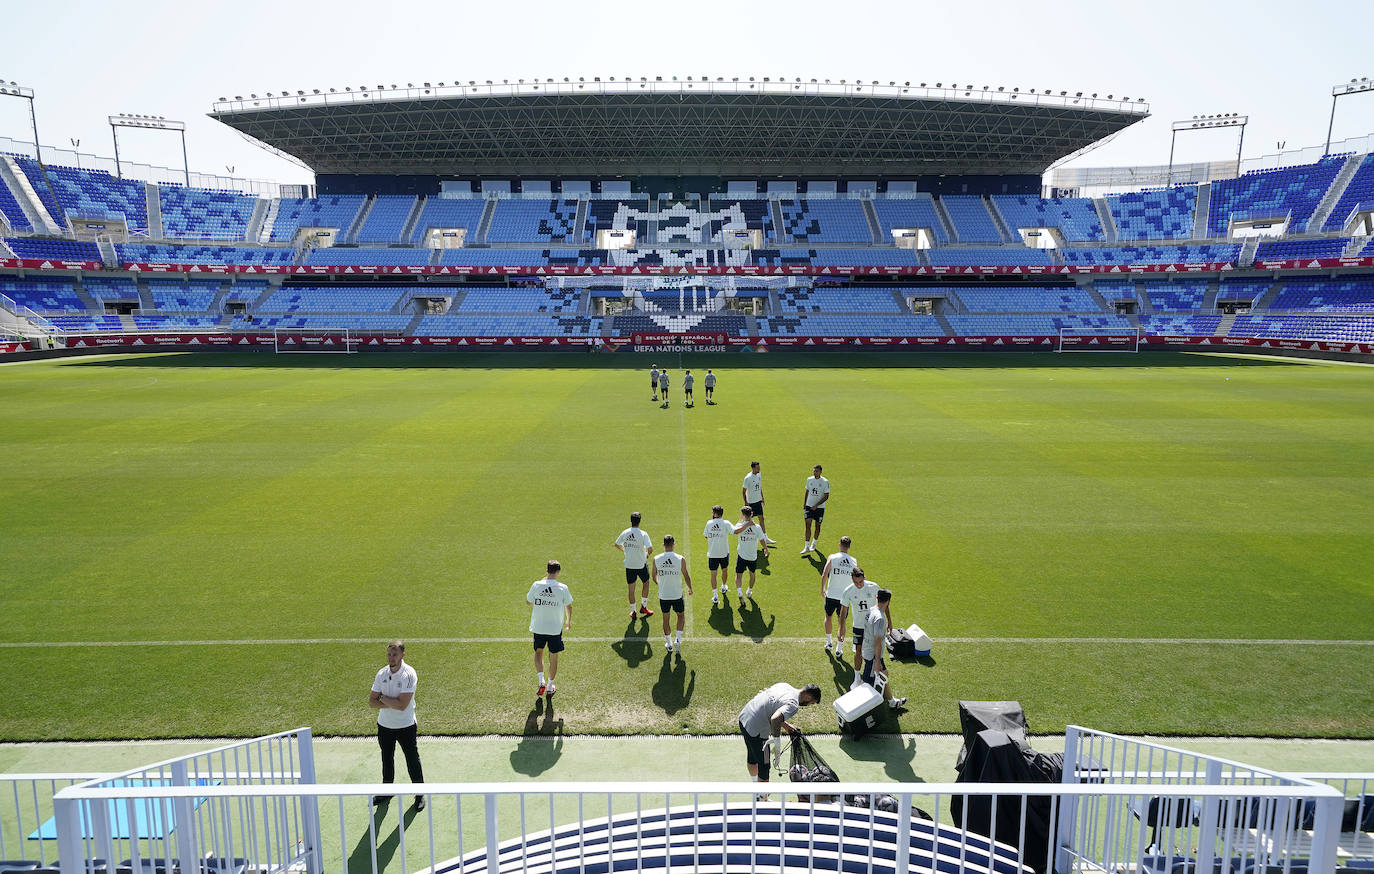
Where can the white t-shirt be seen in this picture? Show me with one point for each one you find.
(753, 488)
(550, 598)
(749, 541)
(757, 715)
(663, 379)
(710, 380)
(669, 568)
(859, 602)
(841, 565)
(817, 487)
(653, 377)
(637, 545)
(394, 684)
(875, 630)
(717, 534)
(687, 380)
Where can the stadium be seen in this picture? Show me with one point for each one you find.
(1166, 536)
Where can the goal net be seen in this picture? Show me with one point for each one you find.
(338, 340)
(1097, 340)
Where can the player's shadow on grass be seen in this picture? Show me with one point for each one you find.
(541, 743)
(675, 685)
(361, 861)
(844, 674)
(634, 646)
(817, 561)
(895, 752)
(722, 618)
(751, 622)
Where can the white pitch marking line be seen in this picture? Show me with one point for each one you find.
(734, 638)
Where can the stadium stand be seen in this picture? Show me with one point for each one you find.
(294, 213)
(332, 299)
(348, 256)
(196, 213)
(386, 219)
(43, 295)
(180, 296)
(909, 213)
(859, 299)
(110, 289)
(1303, 326)
(62, 250)
(619, 215)
(825, 221)
(12, 211)
(1075, 217)
(1180, 296)
(1211, 253)
(151, 254)
(1326, 295)
(726, 215)
(1288, 191)
(1034, 324)
(448, 212)
(851, 324)
(959, 257)
(508, 324)
(972, 221)
(39, 180)
(1018, 299)
(1359, 190)
(1159, 214)
(519, 300)
(96, 193)
(1237, 290)
(1295, 249)
(533, 221)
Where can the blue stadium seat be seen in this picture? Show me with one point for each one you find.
(825, 221)
(1288, 191)
(972, 222)
(1075, 217)
(533, 221)
(205, 214)
(909, 213)
(386, 219)
(1359, 190)
(1158, 214)
(448, 212)
(294, 213)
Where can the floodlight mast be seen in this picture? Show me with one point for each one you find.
(1207, 122)
(148, 122)
(1354, 86)
(14, 89)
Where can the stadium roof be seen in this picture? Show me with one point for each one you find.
(687, 128)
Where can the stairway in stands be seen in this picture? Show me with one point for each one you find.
(1333, 195)
(871, 216)
(269, 219)
(153, 198)
(1104, 215)
(29, 202)
(1203, 209)
(1246, 257)
(350, 234)
(1001, 223)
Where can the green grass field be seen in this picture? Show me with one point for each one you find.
(1091, 535)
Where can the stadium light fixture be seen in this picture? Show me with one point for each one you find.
(1207, 122)
(149, 122)
(1354, 86)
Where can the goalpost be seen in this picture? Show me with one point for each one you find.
(1098, 340)
(336, 340)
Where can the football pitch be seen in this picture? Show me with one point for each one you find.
(220, 545)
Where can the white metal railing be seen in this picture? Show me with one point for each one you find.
(26, 813)
(509, 827)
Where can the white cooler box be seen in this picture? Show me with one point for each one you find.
(857, 708)
(921, 639)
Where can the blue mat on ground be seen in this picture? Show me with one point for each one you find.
(148, 814)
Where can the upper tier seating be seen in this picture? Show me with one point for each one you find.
(825, 221)
(1022, 299)
(754, 215)
(448, 212)
(956, 257)
(1293, 249)
(1197, 325)
(202, 214)
(12, 211)
(346, 256)
(1287, 191)
(39, 180)
(386, 219)
(972, 222)
(95, 192)
(293, 213)
(1178, 296)
(43, 295)
(1034, 324)
(62, 250)
(533, 221)
(1075, 217)
(1205, 253)
(509, 324)
(147, 254)
(917, 212)
(1350, 294)
(1162, 214)
(1359, 190)
(1115, 289)
(1243, 289)
(617, 215)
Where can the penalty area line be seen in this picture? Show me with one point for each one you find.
(734, 638)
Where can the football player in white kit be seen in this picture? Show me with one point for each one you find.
(717, 534)
(670, 575)
(834, 580)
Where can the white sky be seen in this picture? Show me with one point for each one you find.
(1275, 61)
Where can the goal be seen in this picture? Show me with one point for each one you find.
(1098, 340)
(337, 340)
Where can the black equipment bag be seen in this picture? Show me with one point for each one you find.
(807, 764)
(900, 644)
